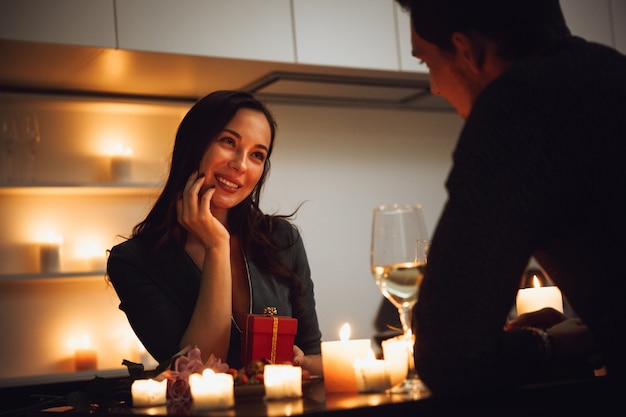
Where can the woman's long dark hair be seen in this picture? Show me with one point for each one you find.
(202, 123)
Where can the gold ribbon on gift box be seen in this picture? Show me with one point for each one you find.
(273, 313)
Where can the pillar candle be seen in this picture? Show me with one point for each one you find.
(338, 359)
(536, 298)
(85, 358)
(282, 381)
(148, 392)
(212, 391)
(50, 254)
(121, 164)
(396, 353)
(371, 374)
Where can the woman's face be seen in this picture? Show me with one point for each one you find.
(234, 161)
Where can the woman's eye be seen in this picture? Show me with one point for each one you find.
(259, 155)
(228, 140)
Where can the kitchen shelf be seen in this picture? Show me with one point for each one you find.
(51, 275)
(71, 188)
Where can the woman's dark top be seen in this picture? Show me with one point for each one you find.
(539, 170)
(158, 292)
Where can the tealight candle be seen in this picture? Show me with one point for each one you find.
(121, 164)
(371, 374)
(50, 254)
(396, 353)
(212, 391)
(282, 381)
(85, 359)
(338, 359)
(536, 298)
(148, 392)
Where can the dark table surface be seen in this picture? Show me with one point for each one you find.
(593, 396)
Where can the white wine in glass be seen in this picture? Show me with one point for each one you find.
(398, 257)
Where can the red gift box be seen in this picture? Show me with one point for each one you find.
(268, 338)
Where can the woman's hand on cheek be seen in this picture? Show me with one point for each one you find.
(194, 212)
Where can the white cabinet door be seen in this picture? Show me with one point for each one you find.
(346, 33)
(618, 13)
(407, 61)
(589, 19)
(73, 22)
(247, 29)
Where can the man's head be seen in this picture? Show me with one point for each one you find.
(468, 43)
(519, 27)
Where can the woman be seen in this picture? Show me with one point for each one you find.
(206, 255)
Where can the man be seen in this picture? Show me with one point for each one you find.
(539, 171)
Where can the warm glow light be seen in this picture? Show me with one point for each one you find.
(344, 332)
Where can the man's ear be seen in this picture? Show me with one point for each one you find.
(470, 49)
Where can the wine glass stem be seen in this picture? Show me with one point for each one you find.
(406, 315)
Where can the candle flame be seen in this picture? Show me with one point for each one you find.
(85, 342)
(344, 333)
(54, 238)
(536, 283)
(121, 150)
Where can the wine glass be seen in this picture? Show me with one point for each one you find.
(398, 257)
(29, 139)
(8, 138)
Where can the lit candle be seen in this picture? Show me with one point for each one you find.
(212, 391)
(121, 164)
(50, 254)
(282, 381)
(537, 297)
(396, 353)
(371, 374)
(338, 361)
(85, 359)
(148, 392)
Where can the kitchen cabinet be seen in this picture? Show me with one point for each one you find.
(245, 29)
(346, 33)
(407, 61)
(618, 13)
(72, 22)
(589, 19)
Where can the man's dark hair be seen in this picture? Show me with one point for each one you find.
(520, 27)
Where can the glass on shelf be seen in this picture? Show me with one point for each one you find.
(27, 144)
(8, 139)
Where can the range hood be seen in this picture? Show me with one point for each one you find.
(68, 69)
(341, 90)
